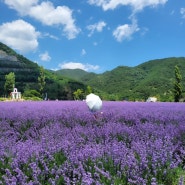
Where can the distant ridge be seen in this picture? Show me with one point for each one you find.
(151, 78)
(76, 74)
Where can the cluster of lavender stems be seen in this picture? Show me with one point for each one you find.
(62, 142)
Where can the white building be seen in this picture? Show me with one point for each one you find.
(15, 95)
(151, 99)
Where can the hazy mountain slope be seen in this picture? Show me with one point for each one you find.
(26, 71)
(26, 76)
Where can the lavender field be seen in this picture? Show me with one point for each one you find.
(62, 142)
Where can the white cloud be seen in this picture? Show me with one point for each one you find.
(136, 5)
(45, 56)
(83, 52)
(19, 35)
(96, 27)
(182, 11)
(125, 31)
(77, 65)
(22, 6)
(50, 36)
(47, 14)
(144, 31)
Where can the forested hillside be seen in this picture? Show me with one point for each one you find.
(27, 73)
(152, 78)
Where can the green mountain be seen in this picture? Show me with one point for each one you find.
(152, 78)
(27, 73)
(76, 74)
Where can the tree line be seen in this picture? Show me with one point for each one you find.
(10, 81)
(79, 93)
(67, 90)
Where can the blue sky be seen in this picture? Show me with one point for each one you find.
(93, 35)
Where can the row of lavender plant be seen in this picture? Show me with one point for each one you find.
(62, 142)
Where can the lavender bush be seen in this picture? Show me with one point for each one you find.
(62, 142)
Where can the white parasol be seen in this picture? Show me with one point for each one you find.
(93, 102)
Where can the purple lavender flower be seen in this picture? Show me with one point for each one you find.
(135, 143)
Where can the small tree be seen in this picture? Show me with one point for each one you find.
(89, 89)
(78, 94)
(177, 85)
(41, 81)
(9, 82)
